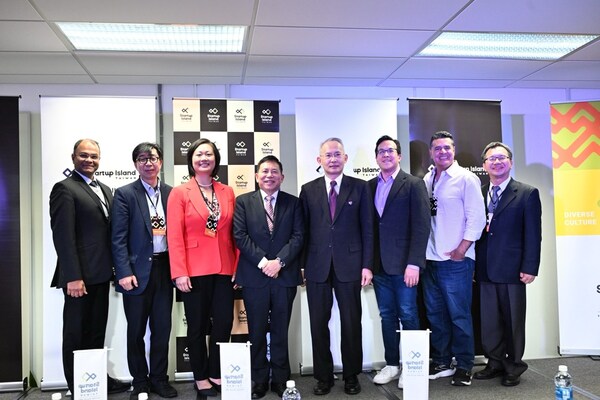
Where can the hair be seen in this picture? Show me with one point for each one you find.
(383, 139)
(441, 135)
(270, 158)
(77, 143)
(190, 156)
(493, 145)
(146, 147)
(331, 139)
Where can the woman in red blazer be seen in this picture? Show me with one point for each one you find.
(203, 260)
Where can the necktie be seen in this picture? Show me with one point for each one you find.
(270, 213)
(332, 199)
(94, 184)
(494, 199)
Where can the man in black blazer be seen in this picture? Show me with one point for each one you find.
(338, 256)
(402, 225)
(269, 232)
(139, 248)
(507, 259)
(80, 221)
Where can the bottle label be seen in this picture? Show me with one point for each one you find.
(563, 393)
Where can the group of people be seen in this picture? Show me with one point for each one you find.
(340, 235)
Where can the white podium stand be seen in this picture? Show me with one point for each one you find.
(415, 364)
(89, 374)
(236, 380)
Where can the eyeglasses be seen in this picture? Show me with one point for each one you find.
(389, 151)
(493, 159)
(336, 155)
(85, 156)
(144, 160)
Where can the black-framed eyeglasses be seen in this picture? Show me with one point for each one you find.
(500, 157)
(144, 160)
(389, 151)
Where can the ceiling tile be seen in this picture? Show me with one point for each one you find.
(28, 36)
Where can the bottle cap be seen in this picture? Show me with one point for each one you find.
(563, 368)
(143, 396)
(290, 384)
(56, 396)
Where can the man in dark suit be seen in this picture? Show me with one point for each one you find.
(402, 224)
(139, 248)
(338, 256)
(80, 222)
(507, 259)
(269, 232)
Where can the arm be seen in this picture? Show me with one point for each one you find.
(474, 210)
(247, 247)
(532, 228)
(366, 218)
(120, 241)
(176, 236)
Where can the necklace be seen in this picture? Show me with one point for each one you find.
(201, 185)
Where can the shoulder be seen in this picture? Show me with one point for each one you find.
(243, 198)
(285, 196)
(312, 184)
(521, 187)
(224, 188)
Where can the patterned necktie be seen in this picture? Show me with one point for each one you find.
(494, 199)
(270, 213)
(332, 199)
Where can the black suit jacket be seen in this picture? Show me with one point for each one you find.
(132, 246)
(401, 233)
(255, 242)
(513, 243)
(81, 232)
(347, 240)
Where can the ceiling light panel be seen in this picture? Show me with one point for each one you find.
(155, 37)
(519, 46)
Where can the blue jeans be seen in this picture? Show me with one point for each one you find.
(447, 291)
(397, 304)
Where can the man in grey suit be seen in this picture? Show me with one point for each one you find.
(338, 256)
(507, 259)
(402, 224)
(139, 247)
(80, 208)
(269, 232)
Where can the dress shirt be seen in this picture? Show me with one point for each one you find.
(156, 208)
(502, 186)
(383, 190)
(460, 211)
(98, 191)
(337, 186)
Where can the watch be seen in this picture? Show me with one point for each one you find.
(280, 262)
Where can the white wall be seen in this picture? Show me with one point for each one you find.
(526, 127)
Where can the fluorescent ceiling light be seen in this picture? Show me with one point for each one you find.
(524, 46)
(155, 37)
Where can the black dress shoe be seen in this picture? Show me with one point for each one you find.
(351, 385)
(163, 389)
(488, 373)
(115, 386)
(216, 386)
(137, 389)
(322, 388)
(210, 392)
(511, 380)
(278, 388)
(259, 390)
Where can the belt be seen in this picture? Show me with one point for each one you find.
(160, 256)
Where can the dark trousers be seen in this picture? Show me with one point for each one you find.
(208, 311)
(320, 301)
(84, 324)
(276, 301)
(153, 307)
(503, 325)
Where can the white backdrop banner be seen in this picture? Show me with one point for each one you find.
(359, 123)
(118, 124)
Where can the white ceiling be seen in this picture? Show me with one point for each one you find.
(301, 42)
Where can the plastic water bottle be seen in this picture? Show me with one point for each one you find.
(56, 396)
(563, 385)
(291, 393)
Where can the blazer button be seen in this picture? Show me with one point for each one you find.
(149, 258)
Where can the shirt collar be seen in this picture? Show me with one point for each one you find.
(149, 188)
(338, 181)
(393, 176)
(85, 178)
(264, 194)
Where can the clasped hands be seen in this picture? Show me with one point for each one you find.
(272, 268)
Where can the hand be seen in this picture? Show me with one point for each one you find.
(184, 284)
(526, 278)
(129, 282)
(411, 277)
(76, 288)
(272, 269)
(367, 277)
(456, 254)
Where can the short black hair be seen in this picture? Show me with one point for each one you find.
(386, 137)
(146, 147)
(493, 145)
(441, 135)
(190, 156)
(270, 158)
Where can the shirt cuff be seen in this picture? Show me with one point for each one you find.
(262, 263)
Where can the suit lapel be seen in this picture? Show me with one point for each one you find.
(398, 183)
(196, 198)
(506, 197)
(86, 188)
(142, 202)
(280, 210)
(484, 190)
(345, 190)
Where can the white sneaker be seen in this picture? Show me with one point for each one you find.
(400, 383)
(386, 375)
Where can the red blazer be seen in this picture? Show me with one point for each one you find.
(191, 252)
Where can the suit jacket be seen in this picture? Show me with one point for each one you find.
(81, 232)
(347, 241)
(191, 252)
(513, 242)
(401, 233)
(132, 246)
(255, 241)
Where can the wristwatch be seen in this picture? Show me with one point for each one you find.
(280, 262)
